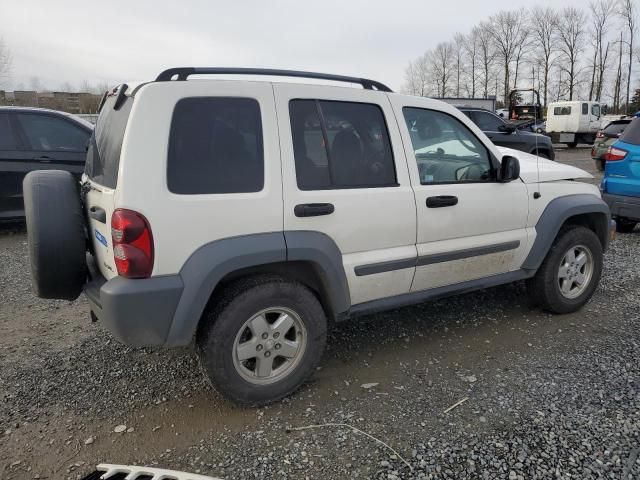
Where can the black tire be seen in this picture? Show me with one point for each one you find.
(572, 144)
(542, 154)
(55, 233)
(624, 225)
(221, 325)
(544, 289)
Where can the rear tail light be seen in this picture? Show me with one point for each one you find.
(132, 244)
(600, 134)
(614, 154)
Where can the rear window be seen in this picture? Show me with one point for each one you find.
(103, 153)
(616, 127)
(215, 146)
(632, 133)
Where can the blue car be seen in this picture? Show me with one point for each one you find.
(621, 182)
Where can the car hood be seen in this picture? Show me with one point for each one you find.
(537, 169)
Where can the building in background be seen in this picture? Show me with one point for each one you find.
(71, 102)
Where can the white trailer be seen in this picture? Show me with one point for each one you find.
(573, 122)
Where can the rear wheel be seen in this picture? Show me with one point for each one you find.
(263, 340)
(55, 233)
(624, 225)
(570, 272)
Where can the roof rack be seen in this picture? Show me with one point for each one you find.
(181, 73)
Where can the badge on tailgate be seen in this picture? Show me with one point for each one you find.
(101, 238)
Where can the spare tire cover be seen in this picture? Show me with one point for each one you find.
(56, 234)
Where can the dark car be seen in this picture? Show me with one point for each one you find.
(605, 138)
(505, 134)
(37, 139)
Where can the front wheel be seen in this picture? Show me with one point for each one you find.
(262, 340)
(570, 273)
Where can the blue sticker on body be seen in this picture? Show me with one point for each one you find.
(101, 238)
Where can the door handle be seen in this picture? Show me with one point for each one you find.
(43, 159)
(442, 201)
(98, 214)
(313, 209)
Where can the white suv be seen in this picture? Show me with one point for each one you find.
(246, 215)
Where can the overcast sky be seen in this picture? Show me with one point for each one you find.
(72, 41)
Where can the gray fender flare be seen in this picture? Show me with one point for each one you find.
(204, 269)
(553, 217)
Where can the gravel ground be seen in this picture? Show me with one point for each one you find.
(542, 396)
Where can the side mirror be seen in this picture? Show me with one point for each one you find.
(507, 128)
(509, 169)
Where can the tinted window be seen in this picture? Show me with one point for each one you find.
(486, 121)
(215, 146)
(562, 110)
(7, 138)
(445, 149)
(103, 154)
(615, 128)
(632, 133)
(49, 133)
(340, 145)
(585, 108)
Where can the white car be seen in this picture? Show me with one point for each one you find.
(243, 215)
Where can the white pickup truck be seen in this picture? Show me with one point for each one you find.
(573, 122)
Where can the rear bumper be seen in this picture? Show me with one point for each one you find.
(623, 206)
(137, 312)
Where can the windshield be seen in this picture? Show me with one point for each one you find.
(103, 154)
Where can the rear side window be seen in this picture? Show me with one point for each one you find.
(103, 154)
(51, 134)
(8, 140)
(562, 110)
(487, 122)
(585, 108)
(215, 146)
(340, 145)
(632, 133)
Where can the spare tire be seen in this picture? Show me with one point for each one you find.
(55, 233)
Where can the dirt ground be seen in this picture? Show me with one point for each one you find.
(533, 383)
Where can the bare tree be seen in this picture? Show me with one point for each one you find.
(471, 51)
(570, 36)
(416, 78)
(507, 29)
(458, 59)
(628, 11)
(601, 12)
(486, 54)
(6, 62)
(440, 61)
(544, 22)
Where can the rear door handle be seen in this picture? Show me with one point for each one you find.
(442, 201)
(98, 214)
(313, 209)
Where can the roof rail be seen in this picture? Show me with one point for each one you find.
(183, 72)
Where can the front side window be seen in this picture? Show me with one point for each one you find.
(8, 141)
(487, 122)
(340, 145)
(595, 110)
(51, 134)
(215, 146)
(446, 150)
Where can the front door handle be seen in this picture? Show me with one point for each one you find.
(98, 214)
(43, 159)
(313, 209)
(442, 201)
